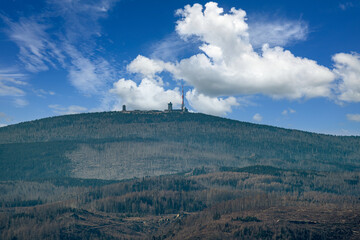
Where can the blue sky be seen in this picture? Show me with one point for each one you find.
(293, 64)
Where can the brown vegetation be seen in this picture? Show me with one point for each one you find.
(236, 204)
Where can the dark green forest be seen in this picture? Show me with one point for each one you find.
(117, 145)
(157, 175)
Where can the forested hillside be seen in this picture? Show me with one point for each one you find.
(122, 145)
(258, 202)
(157, 175)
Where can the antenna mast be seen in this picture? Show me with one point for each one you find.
(182, 97)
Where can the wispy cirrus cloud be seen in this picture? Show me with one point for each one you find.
(173, 47)
(278, 32)
(9, 87)
(87, 74)
(43, 93)
(4, 118)
(71, 46)
(81, 17)
(288, 111)
(353, 117)
(37, 49)
(73, 109)
(12, 86)
(346, 5)
(20, 102)
(257, 117)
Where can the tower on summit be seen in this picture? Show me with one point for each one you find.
(183, 108)
(182, 98)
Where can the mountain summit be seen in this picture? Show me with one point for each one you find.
(122, 145)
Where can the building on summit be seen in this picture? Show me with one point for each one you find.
(183, 108)
(170, 106)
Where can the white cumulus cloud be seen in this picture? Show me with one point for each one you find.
(148, 95)
(347, 67)
(211, 105)
(227, 64)
(230, 66)
(148, 67)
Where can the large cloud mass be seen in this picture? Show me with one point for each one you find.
(149, 94)
(229, 65)
(210, 105)
(148, 67)
(232, 59)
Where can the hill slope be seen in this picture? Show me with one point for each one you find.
(117, 145)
